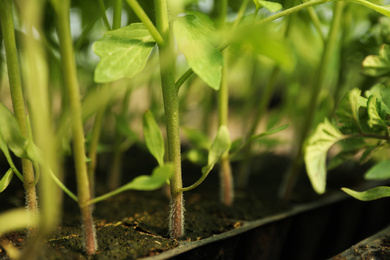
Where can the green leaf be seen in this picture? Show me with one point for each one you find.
(382, 93)
(371, 194)
(193, 39)
(375, 114)
(269, 132)
(263, 40)
(5, 181)
(271, 6)
(16, 219)
(221, 145)
(348, 110)
(159, 178)
(153, 137)
(316, 151)
(378, 65)
(10, 132)
(380, 171)
(123, 52)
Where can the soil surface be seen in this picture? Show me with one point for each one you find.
(134, 224)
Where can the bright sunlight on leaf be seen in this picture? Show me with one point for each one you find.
(380, 171)
(271, 6)
(153, 137)
(316, 151)
(123, 52)
(193, 40)
(371, 194)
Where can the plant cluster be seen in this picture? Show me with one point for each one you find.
(240, 53)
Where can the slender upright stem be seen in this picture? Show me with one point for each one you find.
(36, 75)
(117, 18)
(171, 107)
(225, 171)
(156, 34)
(320, 81)
(7, 26)
(71, 82)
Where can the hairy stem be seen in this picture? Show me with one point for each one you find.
(7, 26)
(71, 82)
(171, 108)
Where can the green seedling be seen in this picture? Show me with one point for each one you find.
(362, 125)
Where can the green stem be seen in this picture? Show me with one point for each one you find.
(7, 26)
(320, 81)
(104, 16)
(70, 78)
(171, 107)
(146, 21)
(117, 19)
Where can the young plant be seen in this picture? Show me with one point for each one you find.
(7, 26)
(362, 124)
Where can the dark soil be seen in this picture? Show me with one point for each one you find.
(134, 224)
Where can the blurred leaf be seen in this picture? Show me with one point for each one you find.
(221, 144)
(123, 52)
(263, 40)
(350, 147)
(375, 114)
(378, 65)
(193, 38)
(382, 93)
(271, 6)
(371, 194)
(153, 137)
(10, 132)
(197, 138)
(380, 171)
(5, 181)
(348, 110)
(16, 219)
(123, 127)
(269, 132)
(159, 178)
(196, 156)
(318, 144)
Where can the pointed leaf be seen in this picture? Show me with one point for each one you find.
(192, 36)
(221, 145)
(153, 137)
(123, 52)
(4, 182)
(378, 65)
(380, 171)
(371, 194)
(316, 151)
(269, 132)
(159, 178)
(271, 6)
